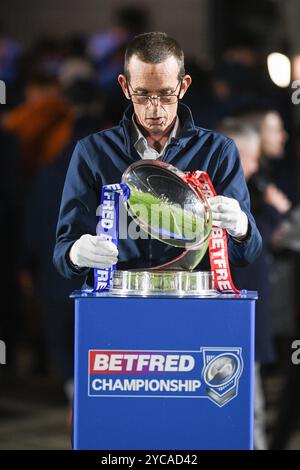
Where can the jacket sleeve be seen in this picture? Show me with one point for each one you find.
(230, 182)
(77, 215)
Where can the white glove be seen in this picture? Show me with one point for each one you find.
(226, 213)
(92, 252)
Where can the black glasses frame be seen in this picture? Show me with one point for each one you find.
(149, 98)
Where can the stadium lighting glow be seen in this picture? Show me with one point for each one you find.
(279, 68)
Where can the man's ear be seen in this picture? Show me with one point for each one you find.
(186, 81)
(123, 84)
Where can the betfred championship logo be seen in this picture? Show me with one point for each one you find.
(207, 373)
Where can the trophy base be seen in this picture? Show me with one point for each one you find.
(176, 283)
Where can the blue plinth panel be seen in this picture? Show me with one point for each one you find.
(163, 373)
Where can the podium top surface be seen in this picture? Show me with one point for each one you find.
(244, 295)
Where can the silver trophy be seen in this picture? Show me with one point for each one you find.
(171, 210)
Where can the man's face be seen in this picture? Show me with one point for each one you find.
(273, 135)
(153, 80)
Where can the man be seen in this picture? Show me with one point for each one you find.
(154, 126)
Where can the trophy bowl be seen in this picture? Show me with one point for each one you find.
(167, 207)
(171, 210)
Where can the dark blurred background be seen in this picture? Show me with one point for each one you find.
(59, 61)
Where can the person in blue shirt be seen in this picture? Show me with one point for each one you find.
(155, 126)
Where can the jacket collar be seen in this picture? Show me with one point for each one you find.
(140, 142)
(188, 129)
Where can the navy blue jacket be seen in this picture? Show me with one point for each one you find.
(101, 158)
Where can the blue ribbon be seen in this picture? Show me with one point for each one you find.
(108, 228)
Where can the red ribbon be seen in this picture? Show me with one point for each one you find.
(218, 249)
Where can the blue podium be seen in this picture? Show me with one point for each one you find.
(163, 372)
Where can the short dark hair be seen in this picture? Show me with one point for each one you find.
(154, 48)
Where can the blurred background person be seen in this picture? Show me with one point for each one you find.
(257, 275)
(278, 190)
(42, 123)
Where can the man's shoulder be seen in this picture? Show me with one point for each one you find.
(206, 137)
(99, 138)
(212, 137)
(107, 142)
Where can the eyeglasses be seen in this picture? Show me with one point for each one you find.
(145, 100)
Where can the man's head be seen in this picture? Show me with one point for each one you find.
(248, 142)
(154, 66)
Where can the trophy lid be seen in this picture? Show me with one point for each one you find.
(167, 207)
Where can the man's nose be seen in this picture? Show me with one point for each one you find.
(154, 101)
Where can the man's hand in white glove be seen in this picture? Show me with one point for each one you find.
(92, 252)
(226, 213)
